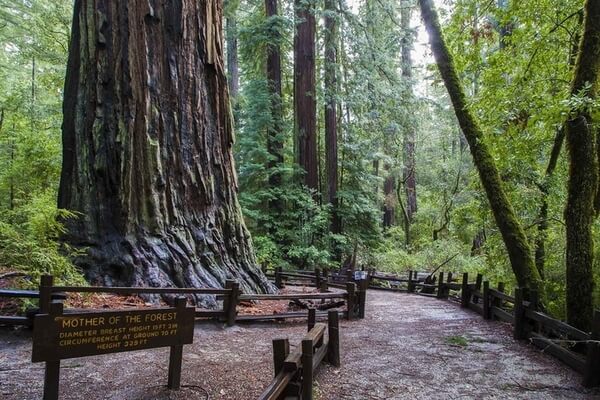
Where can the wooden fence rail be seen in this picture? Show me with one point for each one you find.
(555, 337)
(294, 372)
(231, 295)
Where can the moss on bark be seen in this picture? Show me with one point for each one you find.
(515, 240)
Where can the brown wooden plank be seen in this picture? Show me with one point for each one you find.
(293, 361)
(503, 296)
(298, 314)
(568, 357)
(138, 290)
(10, 320)
(502, 315)
(277, 386)
(555, 324)
(209, 314)
(293, 296)
(316, 333)
(319, 356)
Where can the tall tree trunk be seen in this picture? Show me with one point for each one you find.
(231, 37)
(516, 243)
(331, 128)
(559, 138)
(305, 110)
(409, 176)
(389, 202)
(147, 138)
(583, 175)
(275, 130)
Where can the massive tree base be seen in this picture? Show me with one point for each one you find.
(180, 258)
(147, 148)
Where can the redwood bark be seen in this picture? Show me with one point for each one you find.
(583, 176)
(513, 235)
(305, 106)
(275, 130)
(331, 128)
(147, 136)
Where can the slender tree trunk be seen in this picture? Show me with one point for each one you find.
(583, 176)
(559, 138)
(390, 201)
(275, 130)
(231, 37)
(305, 110)
(515, 240)
(409, 175)
(331, 127)
(147, 138)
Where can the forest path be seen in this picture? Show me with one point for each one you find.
(407, 347)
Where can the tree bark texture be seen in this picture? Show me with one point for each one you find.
(513, 235)
(147, 137)
(409, 139)
(233, 68)
(275, 130)
(331, 128)
(583, 176)
(305, 106)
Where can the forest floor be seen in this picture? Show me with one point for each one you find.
(407, 347)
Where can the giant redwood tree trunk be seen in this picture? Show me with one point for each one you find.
(305, 106)
(513, 235)
(147, 138)
(583, 175)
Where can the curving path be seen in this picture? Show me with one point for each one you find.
(408, 347)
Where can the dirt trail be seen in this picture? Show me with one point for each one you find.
(408, 347)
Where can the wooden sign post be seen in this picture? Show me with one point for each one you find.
(58, 336)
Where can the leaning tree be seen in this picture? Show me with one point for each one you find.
(147, 139)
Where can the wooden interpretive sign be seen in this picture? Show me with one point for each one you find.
(58, 336)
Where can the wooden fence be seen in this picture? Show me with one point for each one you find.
(294, 372)
(580, 350)
(353, 297)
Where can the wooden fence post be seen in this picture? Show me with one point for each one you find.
(591, 375)
(534, 303)
(52, 370)
(278, 279)
(312, 318)
(333, 346)
(465, 291)
(486, 300)
(498, 302)
(440, 288)
(281, 349)
(46, 283)
(519, 315)
(231, 301)
(478, 282)
(411, 286)
(317, 278)
(351, 290)
(176, 354)
(307, 369)
(362, 298)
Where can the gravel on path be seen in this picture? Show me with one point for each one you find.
(407, 347)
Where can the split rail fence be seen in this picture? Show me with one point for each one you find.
(294, 372)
